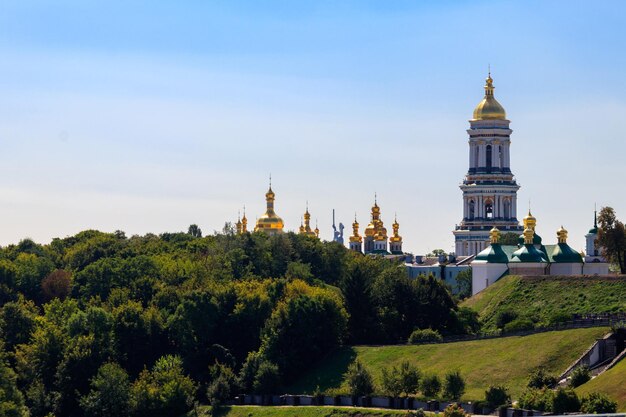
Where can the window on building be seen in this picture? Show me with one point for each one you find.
(471, 209)
(507, 209)
(489, 210)
(488, 158)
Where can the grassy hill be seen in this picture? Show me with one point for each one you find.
(542, 298)
(308, 411)
(611, 383)
(507, 360)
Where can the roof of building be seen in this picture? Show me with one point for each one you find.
(529, 253)
(494, 254)
(563, 253)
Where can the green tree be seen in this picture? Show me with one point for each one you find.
(597, 403)
(165, 391)
(541, 379)
(540, 399)
(497, 395)
(360, 381)
(612, 238)
(579, 376)
(431, 386)
(565, 401)
(454, 386)
(404, 379)
(17, 322)
(509, 238)
(464, 283)
(110, 393)
(11, 399)
(194, 231)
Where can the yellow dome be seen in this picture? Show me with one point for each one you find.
(269, 222)
(489, 108)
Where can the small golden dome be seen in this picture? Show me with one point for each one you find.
(494, 234)
(530, 221)
(561, 235)
(269, 222)
(489, 108)
(528, 236)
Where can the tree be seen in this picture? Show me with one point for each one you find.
(359, 379)
(541, 379)
(194, 231)
(11, 399)
(222, 386)
(56, 285)
(579, 376)
(431, 386)
(464, 283)
(597, 403)
(401, 380)
(165, 391)
(497, 395)
(509, 238)
(565, 401)
(454, 386)
(454, 410)
(612, 238)
(110, 393)
(539, 399)
(267, 378)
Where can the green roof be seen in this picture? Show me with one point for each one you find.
(593, 231)
(493, 254)
(563, 253)
(528, 253)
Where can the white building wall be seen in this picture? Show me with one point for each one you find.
(597, 268)
(566, 269)
(484, 274)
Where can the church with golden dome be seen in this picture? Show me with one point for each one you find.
(376, 241)
(269, 223)
(489, 188)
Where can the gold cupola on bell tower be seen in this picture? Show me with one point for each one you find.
(489, 108)
(356, 241)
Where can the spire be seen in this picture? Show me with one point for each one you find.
(238, 224)
(244, 221)
(317, 230)
(595, 216)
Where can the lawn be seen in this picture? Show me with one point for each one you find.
(611, 383)
(507, 360)
(308, 411)
(542, 298)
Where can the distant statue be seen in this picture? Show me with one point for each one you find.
(337, 235)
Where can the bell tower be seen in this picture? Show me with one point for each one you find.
(489, 188)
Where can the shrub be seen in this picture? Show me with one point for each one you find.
(497, 395)
(596, 403)
(424, 336)
(454, 386)
(540, 379)
(537, 399)
(505, 317)
(359, 380)
(222, 385)
(559, 317)
(267, 378)
(454, 410)
(403, 380)
(565, 401)
(579, 376)
(518, 325)
(431, 385)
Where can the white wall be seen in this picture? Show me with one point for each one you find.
(485, 274)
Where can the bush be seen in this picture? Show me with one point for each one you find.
(404, 380)
(540, 379)
(431, 385)
(267, 378)
(497, 395)
(454, 386)
(565, 401)
(222, 385)
(596, 403)
(359, 380)
(454, 410)
(539, 399)
(424, 336)
(579, 376)
(505, 317)
(559, 317)
(520, 324)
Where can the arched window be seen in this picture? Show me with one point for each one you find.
(488, 158)
(507, 209)
(472, 207)
(489, 209)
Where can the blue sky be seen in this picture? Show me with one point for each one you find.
(148, 116)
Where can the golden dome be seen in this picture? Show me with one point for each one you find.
(269, 222)
(305, 229)
(561, 234)
(396, 235)
(494, 234)
(489, 108)
(530, 221)
(355, 231)
(528, 236)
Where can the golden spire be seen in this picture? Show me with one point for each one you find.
(561, 235)
(305, 229)
(396, 226)
(528, 236)
(355, 232)
(494, 235)
(317, 231)
(238, 224)
(244, 221)
(489, 108)
(530, 221)
(302, 229)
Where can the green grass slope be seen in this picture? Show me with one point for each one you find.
(303, 411)
(611, 383)
(507, 360)
(541, 298)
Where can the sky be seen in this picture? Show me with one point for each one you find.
(148, 116)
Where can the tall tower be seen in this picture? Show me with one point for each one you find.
(356, 241)
(489, 188)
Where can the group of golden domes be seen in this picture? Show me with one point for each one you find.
(271, 223)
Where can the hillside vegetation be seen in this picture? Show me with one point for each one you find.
(546, 299)
(302, 411)
(611, 383)
(506, 361)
